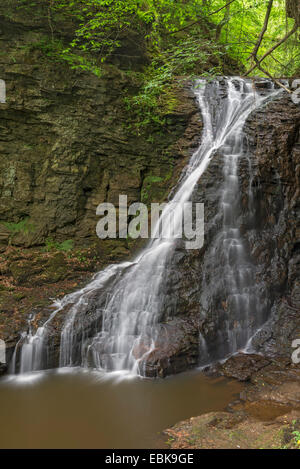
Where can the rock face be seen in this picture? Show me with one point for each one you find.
(65, 142)
(273, 137)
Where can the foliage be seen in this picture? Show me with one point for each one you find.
(55, 49)
(24, 226)
(100, 26)
(186, 57)
(52, 245)
(243, 26)
(296, 435)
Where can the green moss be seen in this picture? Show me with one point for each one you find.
(149, 187)
(19, 296)
(56, 270)
(22, 227)
(52, 245)
(3, 288)
(154, 187)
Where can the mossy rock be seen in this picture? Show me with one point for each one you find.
(38, 271)
(24, 271)
(154, 188)
(19, 296)
(55, 270)
(113, 248)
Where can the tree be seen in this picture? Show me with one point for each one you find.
(258, 36)
(253, 56)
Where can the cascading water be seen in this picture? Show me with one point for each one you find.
(232, 291)
(129, 295)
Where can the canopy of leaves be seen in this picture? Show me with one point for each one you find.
(233, 24)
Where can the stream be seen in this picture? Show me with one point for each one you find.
(75, 408)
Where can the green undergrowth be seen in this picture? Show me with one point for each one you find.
(156, 99)
(23, 226)
(52, 245)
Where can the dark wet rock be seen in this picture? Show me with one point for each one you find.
(263, 84)
(3, 368)
(269, 223)
(271, 166)
(242, 366)
(275, 148)
(176, 349)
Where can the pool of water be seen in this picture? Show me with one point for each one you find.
(74, 408)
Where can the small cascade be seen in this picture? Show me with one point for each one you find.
(111, 324)
(30, 347)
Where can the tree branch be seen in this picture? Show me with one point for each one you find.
(292, 31)
(202, 18)
(223, 22)
(264, 29)
(273, 79)
(269, 52)
(221, 8)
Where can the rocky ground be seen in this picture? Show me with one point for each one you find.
(265, 416)
(31, 279)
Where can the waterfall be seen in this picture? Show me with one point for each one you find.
(122, 330)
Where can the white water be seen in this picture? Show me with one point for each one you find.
(126, 333)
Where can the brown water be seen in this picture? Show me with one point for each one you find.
(82, 409)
